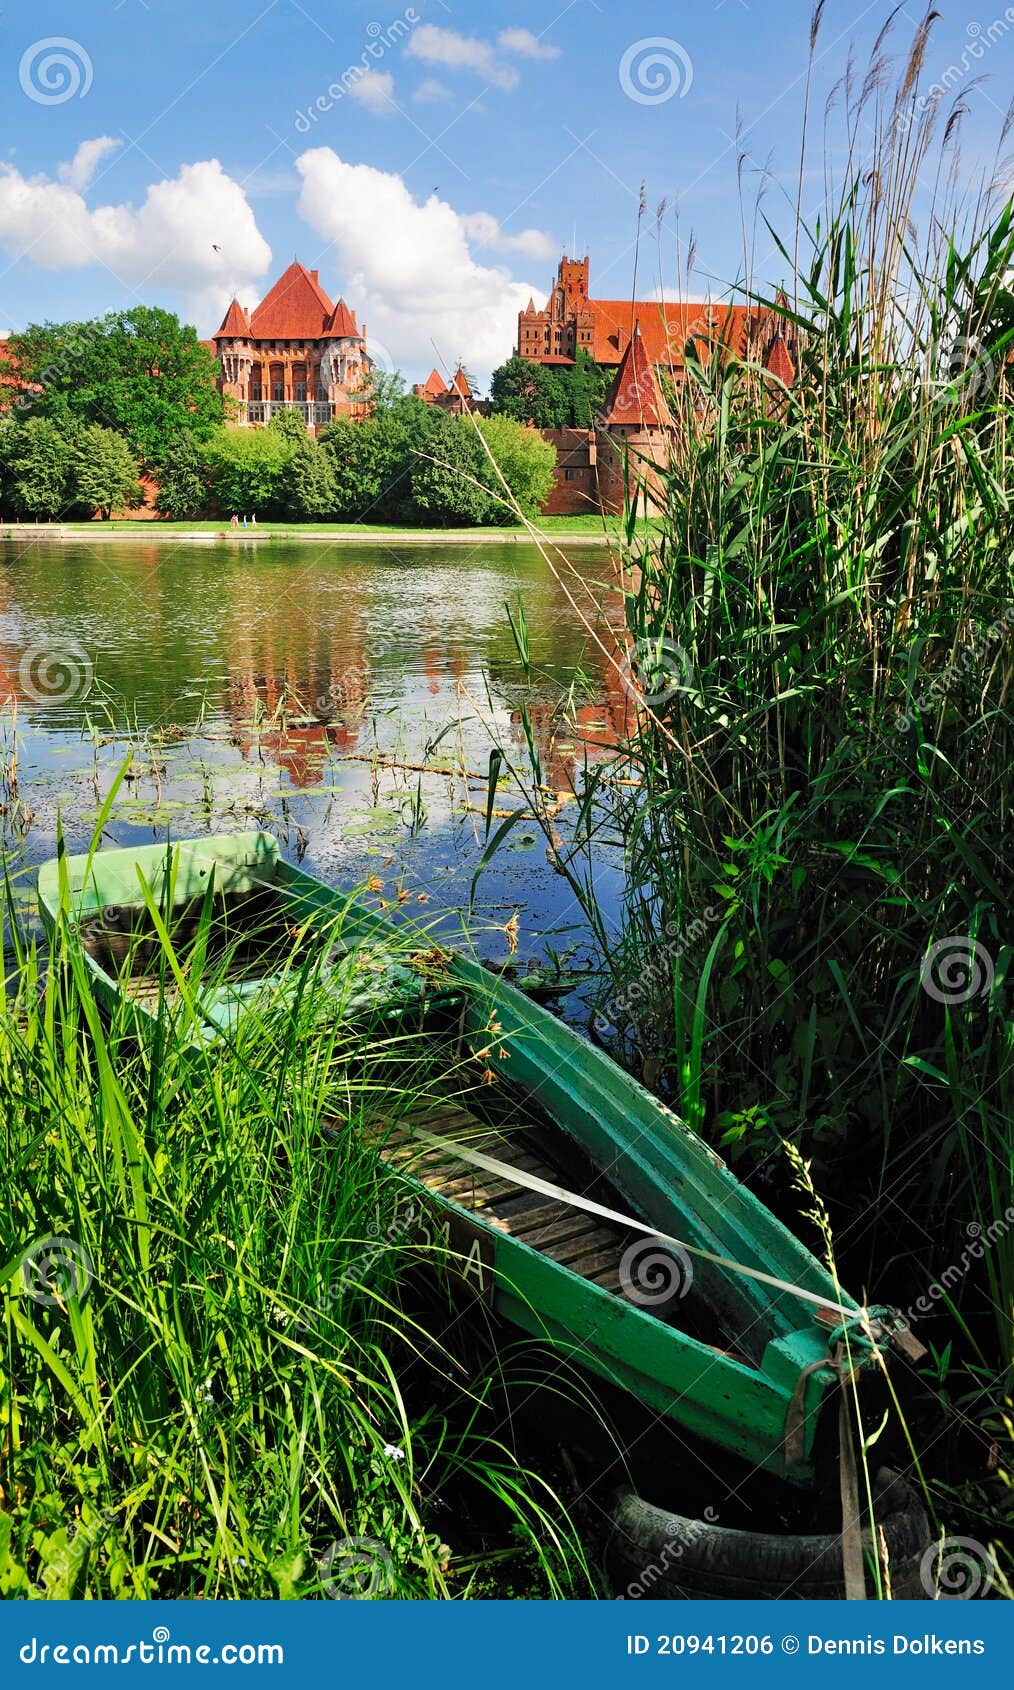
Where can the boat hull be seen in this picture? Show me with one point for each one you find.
(744, 1402)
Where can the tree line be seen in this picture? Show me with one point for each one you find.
(97, 405)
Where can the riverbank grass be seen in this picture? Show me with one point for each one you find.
(213, 1386)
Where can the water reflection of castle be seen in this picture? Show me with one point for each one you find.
(290, 703)
(299, 663)
(299, 711)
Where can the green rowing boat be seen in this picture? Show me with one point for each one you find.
(571, 1200)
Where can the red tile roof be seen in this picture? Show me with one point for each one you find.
(434, 384)
(236, 325)
(636, 400)
(342, 325)
(779, 361)
(459, 384)
(297, 308)
(666, 328)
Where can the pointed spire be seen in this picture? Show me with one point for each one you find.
(296, 308)
(342, 323)
(636, 399)
(236, 325)
(779, 361)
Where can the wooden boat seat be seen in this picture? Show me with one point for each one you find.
(584, 1243)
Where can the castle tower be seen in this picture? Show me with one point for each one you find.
(295, 351)
(636, 430)
(234, 344)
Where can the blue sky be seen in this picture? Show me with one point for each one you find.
(437, 189)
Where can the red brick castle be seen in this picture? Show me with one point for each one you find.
(642, 340)
(295, 351)
(603, 328)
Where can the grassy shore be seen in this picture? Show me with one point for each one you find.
(213, 1384)
(574, 529)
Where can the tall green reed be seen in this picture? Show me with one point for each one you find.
(819, 652)
(208, 1353)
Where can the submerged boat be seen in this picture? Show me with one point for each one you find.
(573, 1202)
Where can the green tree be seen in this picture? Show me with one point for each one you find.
(290, 425)
(530, 393)
(141, 372)
(384, 391)
(311, 494)
(354, 453)
(38, 468)
(373, 461)
(248, 468)
(183, 484)
(564, 396)
(103, 472)
(587, 387)
(525, 461)
(449, 481)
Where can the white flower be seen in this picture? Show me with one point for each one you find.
(393, 1452)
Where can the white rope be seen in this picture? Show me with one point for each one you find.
(518, 1176)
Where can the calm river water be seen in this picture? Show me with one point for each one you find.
(260, 682)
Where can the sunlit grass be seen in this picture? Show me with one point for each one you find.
(210, 1381)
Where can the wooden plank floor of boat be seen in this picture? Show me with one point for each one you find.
(584, 1243)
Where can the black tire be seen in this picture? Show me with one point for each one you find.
(654, 1554)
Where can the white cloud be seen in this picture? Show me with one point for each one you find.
(374, 90)
(80, 172)
(484, 229)
(437, 46)
(431, 89)
(195, 235)
(528, 45)
(407, 267)
(267, 183)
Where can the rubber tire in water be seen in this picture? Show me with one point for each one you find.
(652, 1553)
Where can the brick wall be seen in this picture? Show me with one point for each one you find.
(574, 491)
